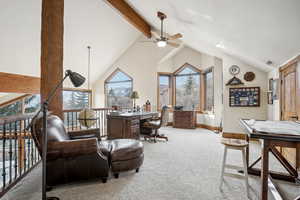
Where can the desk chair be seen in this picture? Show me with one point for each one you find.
(157, 123)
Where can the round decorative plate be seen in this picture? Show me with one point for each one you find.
(249, 76)
(234, 70)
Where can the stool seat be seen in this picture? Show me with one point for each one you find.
(234, 142)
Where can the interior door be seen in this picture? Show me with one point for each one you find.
(288, 88)
(290, 105)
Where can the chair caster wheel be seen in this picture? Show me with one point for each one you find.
(116, 175)
(104, 180)
(137, 170)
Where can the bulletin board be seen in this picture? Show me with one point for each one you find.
(244, 97)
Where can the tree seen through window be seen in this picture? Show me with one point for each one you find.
(118, 88)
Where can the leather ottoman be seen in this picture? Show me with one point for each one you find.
(125, 155)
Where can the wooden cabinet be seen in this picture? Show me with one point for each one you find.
(184, 119)
(126, 125)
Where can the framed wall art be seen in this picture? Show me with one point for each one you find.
(244, 97)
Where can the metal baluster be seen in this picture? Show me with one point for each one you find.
(102, 124)
(28, 146)
(10, 153)
(32, 152)
(79, 125)
(3, 156)
(68, 121)
(76, 121)
(72, 117)
(98, 121)
(24, 142)
(16, 153)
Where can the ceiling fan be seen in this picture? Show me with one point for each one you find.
(163, 39)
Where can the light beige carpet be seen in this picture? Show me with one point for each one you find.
(185, 168)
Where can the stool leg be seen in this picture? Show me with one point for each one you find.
(223, 167)
(245, 171)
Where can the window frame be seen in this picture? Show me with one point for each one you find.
(80, 90)
(198, 72)
(202, 77)
(209, 70)
(106, 81)
(170, 75)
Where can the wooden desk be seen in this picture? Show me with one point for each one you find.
(127, 125)
(272, 134)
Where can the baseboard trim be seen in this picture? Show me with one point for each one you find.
(212, 128)
(240, 136)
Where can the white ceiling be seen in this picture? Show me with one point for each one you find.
(254, 31)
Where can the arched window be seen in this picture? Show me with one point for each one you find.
(118, 88)
(187, 87)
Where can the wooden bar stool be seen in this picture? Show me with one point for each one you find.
(239, 145)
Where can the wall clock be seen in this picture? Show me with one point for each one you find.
(234, 70)
(249, 76)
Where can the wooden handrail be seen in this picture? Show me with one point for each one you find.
(14, 118)
(78, 110)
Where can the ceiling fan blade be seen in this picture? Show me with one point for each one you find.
(176, 36)
(147, 41)
(173, 44)
(155, 34)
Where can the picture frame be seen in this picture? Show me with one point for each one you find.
(275, 89)
(270, 97)
(271, 84)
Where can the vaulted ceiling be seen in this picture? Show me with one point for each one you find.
(86, 23)
(255, 31)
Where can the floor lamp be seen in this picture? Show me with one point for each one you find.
(77, 80)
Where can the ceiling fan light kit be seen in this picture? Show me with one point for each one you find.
(164, 39)
(161, 43)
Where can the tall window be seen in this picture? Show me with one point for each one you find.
(187, 87)
(32, 103)
(209, 89)
(118, 88)
(20, 105)
(164, 90)
(76, 99)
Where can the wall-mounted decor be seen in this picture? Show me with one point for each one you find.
(244, 97)
(249, 76)
(235, 81)
(270, 84)
(270, 97)
(275, 89)
(234, 70)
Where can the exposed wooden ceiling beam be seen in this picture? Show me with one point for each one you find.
(131, 16)
(15, 83)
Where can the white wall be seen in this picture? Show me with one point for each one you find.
(232, 115)
(142, 61)
(274, 109)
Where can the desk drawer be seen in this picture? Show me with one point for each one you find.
(135, 122)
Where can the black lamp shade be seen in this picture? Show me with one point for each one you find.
(76, 79)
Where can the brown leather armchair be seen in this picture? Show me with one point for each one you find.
(157, 123)
(72, 156)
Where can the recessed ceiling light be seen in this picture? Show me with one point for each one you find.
(220, 45)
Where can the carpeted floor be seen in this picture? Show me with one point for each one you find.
(185, 168)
